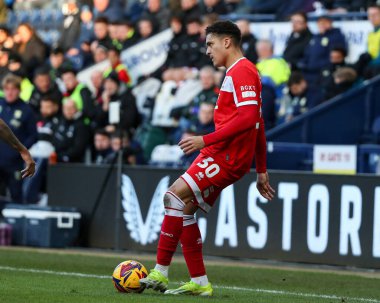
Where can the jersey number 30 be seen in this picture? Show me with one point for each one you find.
(210, 170)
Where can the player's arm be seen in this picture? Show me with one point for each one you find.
(246, 89)
(246, 119)
(8, 136)
(262, 182)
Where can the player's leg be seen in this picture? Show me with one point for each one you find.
(191, 242)
(175, 199)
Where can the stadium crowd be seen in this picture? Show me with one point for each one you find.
(62, 120)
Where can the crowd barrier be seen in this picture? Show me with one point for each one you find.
(320, 219)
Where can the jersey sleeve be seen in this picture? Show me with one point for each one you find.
(246, 87)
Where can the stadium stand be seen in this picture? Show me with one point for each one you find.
(161, 93)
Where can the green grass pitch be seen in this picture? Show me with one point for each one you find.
(34, 275)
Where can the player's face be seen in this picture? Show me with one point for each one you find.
(216, 49)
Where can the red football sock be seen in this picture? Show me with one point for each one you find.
(171, 229)
(191, 242)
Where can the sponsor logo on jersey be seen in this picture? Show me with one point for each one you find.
(247, 87)
(200, 176)
(248, 94)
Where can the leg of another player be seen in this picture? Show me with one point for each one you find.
(175, 200)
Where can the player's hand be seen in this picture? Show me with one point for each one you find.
(191, 144)
(264, 187)
(30, 165)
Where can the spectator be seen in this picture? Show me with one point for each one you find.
(176, 54)
(145, 27)
(4, 58)
(371, 67)
(121, 140)
(317, 52)
(270, 66)
(102, 147)
(21, 120)
(43, 87)
(127, 35)
(16, 67)
(115, 91)
(158, 13)
(97, 83)
(202, 126)
(337, 60)
(86, 29)
(214, 7)
(194, 44)
(300, 97)
(190, 9)
(344, 79)
(101, 33)
(79, 93)
(248, 40)
(5, 37)
(298, 39)
(71, 25)
(31, 48)
(72, 136)
(43, 149)
(111, 9)
(117, 66)
(208, 94)
(374, 37)
(100, 53)
(80, 51)
(57, 62)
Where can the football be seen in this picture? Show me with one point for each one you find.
(126, 276)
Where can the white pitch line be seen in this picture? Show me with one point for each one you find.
(258, 290)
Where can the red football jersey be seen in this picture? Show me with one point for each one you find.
(241, 88)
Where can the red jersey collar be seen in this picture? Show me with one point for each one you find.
(233, 64)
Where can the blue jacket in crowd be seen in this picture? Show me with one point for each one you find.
(317, 53)
(22, 121)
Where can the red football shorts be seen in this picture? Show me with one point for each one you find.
(207, 177)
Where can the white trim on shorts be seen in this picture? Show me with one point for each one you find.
(197, 192)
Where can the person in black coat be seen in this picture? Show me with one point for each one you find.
(194, 44)
(248, 41)
(114, 91)
(43, 86)
(30, 47)
(298, 39)
(176, 55)
(72, 136)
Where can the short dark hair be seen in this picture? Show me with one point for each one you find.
(42, 71)
(225, 28)
(340, 49)
(375, 5)
(50, 98)
(102, 132)
(300, 13)
(296, 77)
(101, 19)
